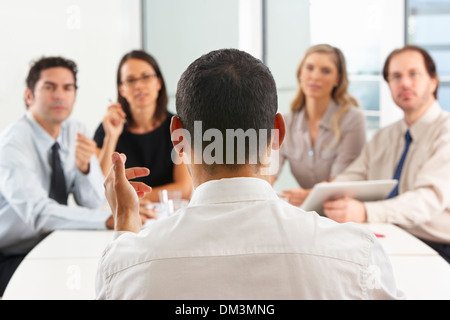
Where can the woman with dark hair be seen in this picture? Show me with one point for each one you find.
(138, 126)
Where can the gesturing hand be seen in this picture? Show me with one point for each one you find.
(123, 195)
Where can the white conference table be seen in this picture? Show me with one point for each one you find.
(421, 273)
(64, 265)
(61, 267)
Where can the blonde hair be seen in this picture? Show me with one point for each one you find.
(339, 93)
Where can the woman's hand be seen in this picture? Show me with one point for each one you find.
(114, 121)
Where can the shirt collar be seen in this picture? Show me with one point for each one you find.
(419, 128)
(233, 190)
(332, 109)
(45, 140)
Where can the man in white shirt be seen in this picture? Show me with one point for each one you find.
(33, 196)
(415, 150)
(236, 239)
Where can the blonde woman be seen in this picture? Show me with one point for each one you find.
(325, 128)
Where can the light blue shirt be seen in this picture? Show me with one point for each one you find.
(27, 213)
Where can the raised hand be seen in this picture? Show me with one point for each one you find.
(123, 195)
(114, 120)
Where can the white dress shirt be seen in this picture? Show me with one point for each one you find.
(238, 240)
(26, 211)
(423, 204)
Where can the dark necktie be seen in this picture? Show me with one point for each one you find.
(58, 182)
(398, 170)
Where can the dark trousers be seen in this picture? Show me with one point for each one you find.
(441, 248)
(8, 264)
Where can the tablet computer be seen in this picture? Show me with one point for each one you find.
(370, 190)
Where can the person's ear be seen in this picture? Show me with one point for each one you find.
(28, 96)
(434, 85)
(176, 133)
(280, 126)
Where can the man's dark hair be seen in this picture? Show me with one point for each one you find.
(430, 66)
(161, 101)
(46, 63)
(227, 89)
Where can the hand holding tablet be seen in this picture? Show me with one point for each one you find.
(372, 190)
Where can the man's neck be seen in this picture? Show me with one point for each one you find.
(52, 129)
(316, 108)
(200, 175)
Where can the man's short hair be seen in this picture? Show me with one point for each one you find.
(227, 89)
(430, 66)
(46, 63)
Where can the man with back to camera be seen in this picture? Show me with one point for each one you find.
(236, 239)
(415, 150)
(33, 200)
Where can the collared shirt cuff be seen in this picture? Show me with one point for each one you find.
(376, 212)
(93, 178)
(118, 234)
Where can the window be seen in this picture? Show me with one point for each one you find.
(428, 22)
(365, 30)
(355, 27)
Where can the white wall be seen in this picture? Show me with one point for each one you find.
(95, 34)
(179, 31)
